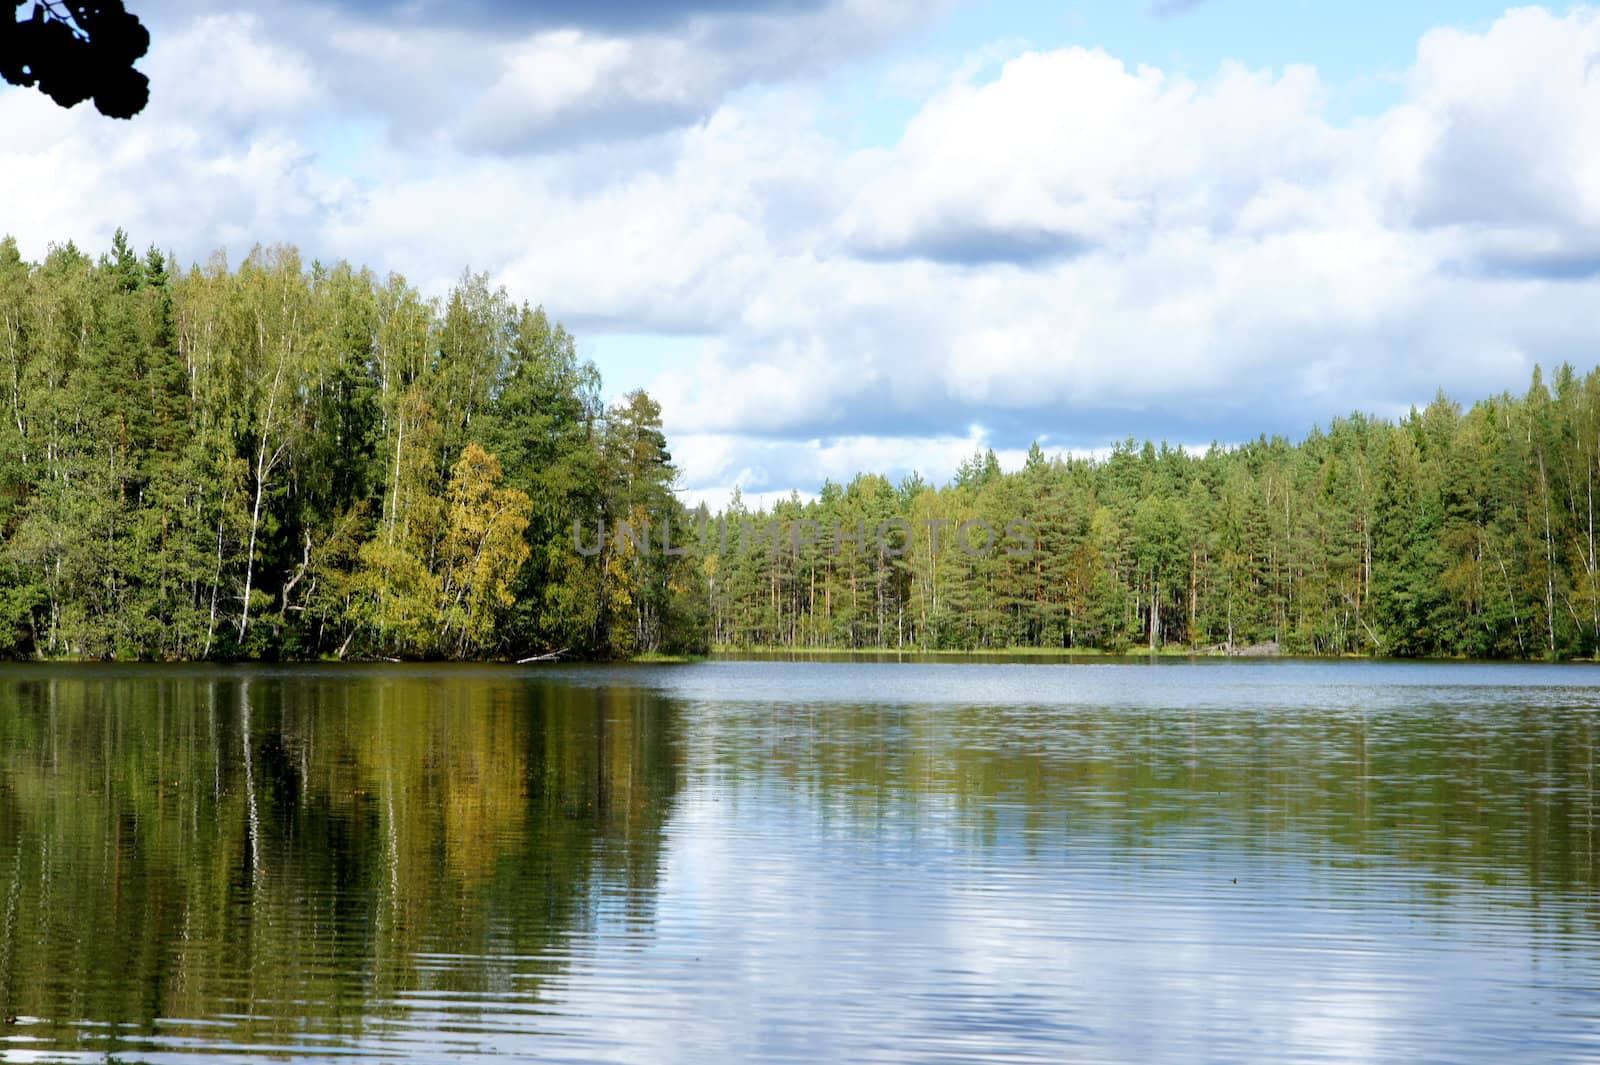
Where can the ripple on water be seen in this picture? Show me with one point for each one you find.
(790, 862)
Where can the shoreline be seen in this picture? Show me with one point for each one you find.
(1012, 655)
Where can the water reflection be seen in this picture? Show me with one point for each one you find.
(1481, 795)
(296, 858)
(785, 861)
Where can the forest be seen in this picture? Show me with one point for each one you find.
(289, 461)
(1454, 533)
(284, 461)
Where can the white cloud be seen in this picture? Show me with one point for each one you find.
(521, 79)
(197, 170)
(724, 462)
(1224, 261)
(1499, 145)
(1070, 151)
(1061, 246)
(261, 79)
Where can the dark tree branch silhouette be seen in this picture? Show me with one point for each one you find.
(77, 51)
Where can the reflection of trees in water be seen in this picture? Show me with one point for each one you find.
(1483, 794)
(295, 847)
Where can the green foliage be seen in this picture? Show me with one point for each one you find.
(1452, 533)
(281, 461)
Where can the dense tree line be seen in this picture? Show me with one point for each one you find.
(289, 461)
(1454, 532)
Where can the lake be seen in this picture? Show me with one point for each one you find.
(1212, 861)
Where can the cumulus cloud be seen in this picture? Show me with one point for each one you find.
(520, 78)
(199, 169)
(1064, 247)
(578, 84)
(1498, 146)
(1072, 149)
(724, 463)
(1078, 249)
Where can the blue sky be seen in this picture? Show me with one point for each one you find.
(843, 235)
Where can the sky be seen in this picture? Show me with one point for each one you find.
(833, 236)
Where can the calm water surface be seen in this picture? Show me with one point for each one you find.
(741, 861)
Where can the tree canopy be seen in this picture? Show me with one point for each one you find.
(1454, 532)
(283, 460)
